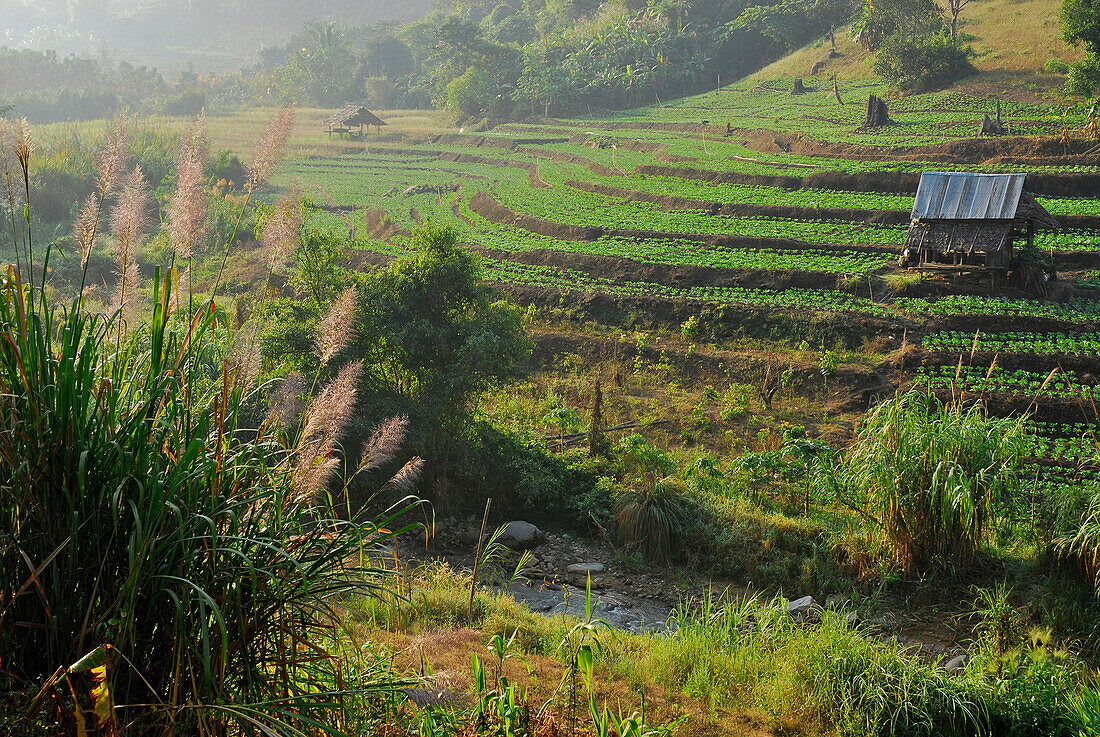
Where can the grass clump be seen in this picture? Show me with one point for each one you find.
(928, 477)
(168, 556)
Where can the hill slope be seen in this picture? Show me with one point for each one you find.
(1013, 40)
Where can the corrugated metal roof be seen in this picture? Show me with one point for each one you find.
(967, 196)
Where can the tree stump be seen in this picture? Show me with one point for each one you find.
(817, 67)
(878, 114)
(798, 89)
(991, 127)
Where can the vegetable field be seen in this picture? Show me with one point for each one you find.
(689, 208)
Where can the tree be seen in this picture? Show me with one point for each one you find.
(438, 336)
(904, 19)
(954, 7)
(388, 57)
(473, 93)
(1081, 27)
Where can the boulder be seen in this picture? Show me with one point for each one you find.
(519, 535)
(585, 568)
(801, 607)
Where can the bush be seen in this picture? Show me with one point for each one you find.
(525, 480)
(1056, 66)
(648, 518)
(228, 167)
(1084, 77)
(918, 63)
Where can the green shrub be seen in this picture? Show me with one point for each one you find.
(1084, 77)
(649, 517)
(922, 62)
(1056, 66)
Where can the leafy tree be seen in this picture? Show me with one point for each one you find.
(904, 19)
(438, 336)
(790, 23)
(387, 56)
(472, 94)
(1081, 27)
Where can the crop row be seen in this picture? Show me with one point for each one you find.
(670, 251)
(1076, 344)
(1017, 382)
(1075, 310)
(1073, 450)
(572, 280)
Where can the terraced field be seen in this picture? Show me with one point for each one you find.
(763, 222)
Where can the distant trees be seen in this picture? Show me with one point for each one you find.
(791, 23)
(46, 87)
(1081, 27)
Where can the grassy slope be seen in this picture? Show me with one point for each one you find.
(1013, 39)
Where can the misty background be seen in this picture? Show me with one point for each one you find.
(209, 35)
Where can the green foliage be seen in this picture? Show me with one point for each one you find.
(227, 167)
(1081, 24)
(1084, 77)
(528, 481)
(438, 336)
(928, 478)
(922, 62)
(472, 94)
(791, 23)
(219, 565)
(883, 19)
(1081, 544)
(648, 518)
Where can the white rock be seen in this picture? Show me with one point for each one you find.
(801, 606)
(586, 568)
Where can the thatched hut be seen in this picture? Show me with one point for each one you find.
(353, 116)
(963, 221)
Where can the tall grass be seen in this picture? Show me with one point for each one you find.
(154, 537)
(928, 477)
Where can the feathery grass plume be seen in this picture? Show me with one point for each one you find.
(24, 146)
(384, 442)
(325, 421)
(188, 207)
(13, 194)
(281, 230)
(269, 149)
(128, 221)
(84, 229)
(286, 402)
(404, 481)
(245, 358)
(338, 326)
(113, 158)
